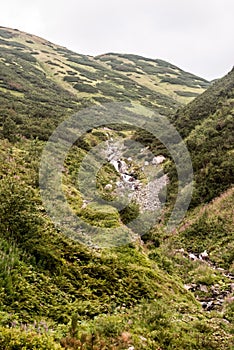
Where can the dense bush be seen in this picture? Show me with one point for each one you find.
(6, 34)
(18, 210)
(82, 87)
(187, 93)
(71, 79)
(129, 213)
(17, 339)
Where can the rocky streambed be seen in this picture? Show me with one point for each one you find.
(143, 191)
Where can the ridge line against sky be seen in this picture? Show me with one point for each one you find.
(197, 36)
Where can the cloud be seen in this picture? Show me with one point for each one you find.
(195, 35)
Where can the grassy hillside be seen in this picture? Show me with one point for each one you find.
(42, 83)
(55, 291)
(210, 227)
(207, 125)
(157, 75)
(58, 294)
(187, 118)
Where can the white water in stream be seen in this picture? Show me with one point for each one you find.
(144, 194)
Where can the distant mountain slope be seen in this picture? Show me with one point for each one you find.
(157, 75)
(41, 83)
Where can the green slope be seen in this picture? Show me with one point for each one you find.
(128, 296)
(55, 291)
(157, 75)
(211, 228)
(187, 118)
(41, 83)
(207, 124)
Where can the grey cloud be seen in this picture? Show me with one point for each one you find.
(195, 35)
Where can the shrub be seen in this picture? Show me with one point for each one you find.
(85, 88)
(6, 34)
(17, 339)
(18, 210)
(129, 213)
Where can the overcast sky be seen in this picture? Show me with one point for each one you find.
(196, 35)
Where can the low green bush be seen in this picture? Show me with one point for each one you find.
(18, 339)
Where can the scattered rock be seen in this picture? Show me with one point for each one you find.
(187, 286)
(158, 160)
(181, 250)
(208, 305)
(192, 256)
(204, 255)
(220, 269)
(108, 187)
(84, 205)
(217, 296)
(229, 300)
(203, 288)
(146, 195)
(142, 338)
(192, 287)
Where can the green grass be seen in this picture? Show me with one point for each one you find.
(56, 293)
